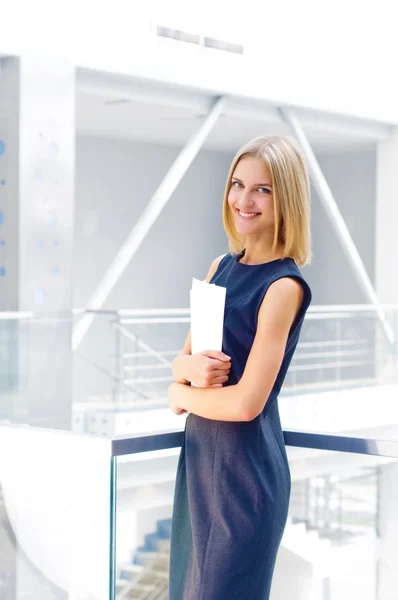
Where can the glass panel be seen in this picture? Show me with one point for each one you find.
(339, 541)
(122, 371)
(45, 384)
(145, 490)
(97, 377)
(115, 382)
(10, 376)
(36, 370)
(343, 365)
(55, 507)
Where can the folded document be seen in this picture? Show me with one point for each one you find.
(207, 302)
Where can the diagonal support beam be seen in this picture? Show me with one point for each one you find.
(147, 219)
(337, 221)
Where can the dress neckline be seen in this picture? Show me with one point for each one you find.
(238, 256)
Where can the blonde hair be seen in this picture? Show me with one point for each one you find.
(291, 195)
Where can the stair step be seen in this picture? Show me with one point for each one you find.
(143, 558)
(149, 566)
(155, 575)
(129, 570)
(161, 573)
(151, 541)
(161, 594)
(140, 589)
(164, 545)
(164, 528)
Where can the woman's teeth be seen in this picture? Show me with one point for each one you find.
(247, 216)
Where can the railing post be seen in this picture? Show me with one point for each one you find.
(117, 388)
(112, 528)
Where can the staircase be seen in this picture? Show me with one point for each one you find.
(147, 576)
(304, 553)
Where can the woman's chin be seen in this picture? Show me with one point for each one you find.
(243, 227)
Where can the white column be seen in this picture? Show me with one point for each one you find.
(387, 220)
(386, 259)
(37, 157)
(386, 282)
(387, 289)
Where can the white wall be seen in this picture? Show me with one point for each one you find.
(114, 182)
(352, 179)
(387, 219)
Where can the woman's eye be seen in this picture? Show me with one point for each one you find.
(264, 189)
(236, 183)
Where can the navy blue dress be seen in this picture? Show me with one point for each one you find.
(233, 481)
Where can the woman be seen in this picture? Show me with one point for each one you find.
(233, 480)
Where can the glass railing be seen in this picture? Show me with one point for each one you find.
(122, 367)
(338, 528)
(343, 362)
(85, 512)
(85, 517)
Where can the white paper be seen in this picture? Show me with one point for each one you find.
(207, 301)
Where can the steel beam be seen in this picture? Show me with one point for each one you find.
(147, 219)
(198, 101)
(337, 221)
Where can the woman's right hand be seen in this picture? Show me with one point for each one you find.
(209, 368)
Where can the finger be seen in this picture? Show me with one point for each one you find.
(216, 354)
(219, 365)
(220, 372)
(219, 381)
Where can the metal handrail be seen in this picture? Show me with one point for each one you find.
(135, 444)
(169, 312)
(337, 359)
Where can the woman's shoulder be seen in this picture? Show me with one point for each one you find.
(214, 266)
(289, 269)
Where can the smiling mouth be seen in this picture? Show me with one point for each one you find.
(247, 216)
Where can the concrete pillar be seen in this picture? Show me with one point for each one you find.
(386, 280)
(387, 220)
(37, 165)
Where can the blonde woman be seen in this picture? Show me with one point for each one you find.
(233, 480)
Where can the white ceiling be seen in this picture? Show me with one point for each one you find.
(107, 106)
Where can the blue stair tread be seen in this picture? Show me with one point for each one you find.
(164, 522)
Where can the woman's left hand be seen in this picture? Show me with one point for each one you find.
(173, 396)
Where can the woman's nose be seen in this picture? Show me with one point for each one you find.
(246, 198)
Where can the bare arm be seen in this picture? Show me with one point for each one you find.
(180, 363)
(276, 315)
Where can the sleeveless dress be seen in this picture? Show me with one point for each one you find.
(233, 480)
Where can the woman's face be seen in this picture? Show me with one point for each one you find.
(251, 194)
